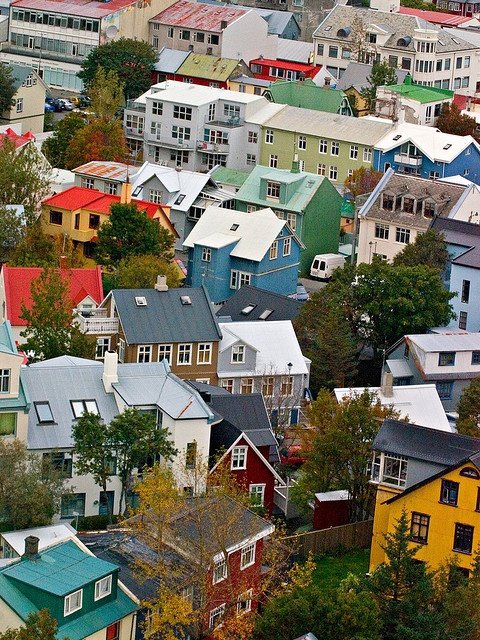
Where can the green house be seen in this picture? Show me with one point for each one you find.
(307, 95)
(310, 204)
(81, 592)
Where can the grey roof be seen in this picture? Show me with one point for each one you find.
(170, 59)
(283, 308)
(461, 234)
(277, 20)
(164, 318)
(61, 380)
(424, 443)
(356, 76)
(294, 51)
(398, 25)
(255, 82)
(19, 74)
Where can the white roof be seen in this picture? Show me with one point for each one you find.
(276, 345)
(331, 496)
(294, 50)
(432, 342)
(254, 232)
(263, 114)
(436, 145)
(47, 536)
(194, 94)
(420, 403)
(456, 180)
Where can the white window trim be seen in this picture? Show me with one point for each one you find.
(98, 586)
(217, 565)
(170, 346)
(258, 484)
(149, 350)
(245, 597)
(66, 609)
(209, 344)
(236, 347)
(242, 468)
(184, 364)
(243, 553)
(213, 612)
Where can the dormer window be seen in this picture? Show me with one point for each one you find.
(429, 209)
(238, 354)
(388, 202)
(103, 587)
(372, 38)
(73, 602)
(408, 205)
(273, 189)
(344, 32)
(5, 375)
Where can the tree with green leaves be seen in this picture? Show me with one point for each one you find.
(338, 448)
(132, 61)
(382, 74)
(7, 88)
(50, 331)
(452, 120)
(12, 231)
(140, 272)
(37, 249)
(106, 93)
(130, 232)
(38, 626)
(55, 148)
(429, 250)
(468, 422)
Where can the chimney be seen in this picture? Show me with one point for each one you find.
(161, 283)
(126, 193)
(387, 385)
(295, 164)
(31, 548)
(110, 370)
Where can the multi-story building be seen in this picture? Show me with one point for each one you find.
(197, 127)
(431, 55)
(56, 38)
(327, 144)
(28, 102)
(466, 8)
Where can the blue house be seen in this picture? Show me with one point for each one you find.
(428, 153)
(228, 248)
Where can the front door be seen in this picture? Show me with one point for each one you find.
(105, 503)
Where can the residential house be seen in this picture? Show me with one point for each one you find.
(427, 152)
(82, 593)
(265, 357)
(229, 179)
(442, 19)
(463, 270)
(78, 212)
(221, 31)
(251, 303)
(431, 55)
(228, 248)
(151, 325)
(14, 398)
(106, 177)
(306, 94)
(448, 360)
(197, 127)
(208, 70)
(433, 477)
(62, 389)
(272, 69)
(167, 64)
(355, 78)
(85, 290)
(399, 208)
(246, 84)
(29, 100)
(308, 202)
(420, 104)
(461, 8)
(328, 144)
(12, 543)
(56, 38)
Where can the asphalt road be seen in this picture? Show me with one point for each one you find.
(312, 285)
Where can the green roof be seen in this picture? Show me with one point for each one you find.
(305, 94)
(234, 177)
(420, 93)
(201, 65)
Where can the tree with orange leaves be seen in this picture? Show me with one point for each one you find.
(98, 140)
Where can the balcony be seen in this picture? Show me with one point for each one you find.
(212, 147)
(135, 106)
(134, 132)
(228, 123)
(171, 143)
(411, 161)
(97, 322)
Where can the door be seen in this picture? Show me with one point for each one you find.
(105, 503)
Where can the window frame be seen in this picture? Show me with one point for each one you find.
(253, 492)
(207, 349)
(100, 595)
(144, 353)
(214, 613)
(247, 551)
(238, 458)
(83, 402)
(446, 487)
(446, 358)
(66, 601)
(458, 534)
(181, 349)
(166, 348)
(421, 525)
(237, 355)
(220, 571)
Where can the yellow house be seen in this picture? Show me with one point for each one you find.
(444, 515)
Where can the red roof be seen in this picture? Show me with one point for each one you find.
(205, 17)
(17, 281)
(84, 8)
(284, 64)
(17, 140)
(435, 17)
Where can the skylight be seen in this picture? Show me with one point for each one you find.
(397, 137)
(79, 407)
(44, 412)
(136, 191)
(455, 41)
(234, 227)
(447, 146)
(180, 199)
(265, 314)
(248, 309)
(140, 301)
(185, 300)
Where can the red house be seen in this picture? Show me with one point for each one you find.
(198, 68)
(268, 69)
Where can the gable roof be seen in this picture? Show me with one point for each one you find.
(210, 67)
(356, 76)
(282, 307)
(169, 60)
(251, 233)
(434, 342)
(18, 280)
(116, 171)
(306, 94)
(194, 16)
(294, 50)
(464, 235)
(18, 140)
(164, 318)
(48, 536)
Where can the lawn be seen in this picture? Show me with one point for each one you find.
(332, 569)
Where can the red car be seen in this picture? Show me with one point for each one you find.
(292, 455)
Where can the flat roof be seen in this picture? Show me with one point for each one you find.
(84, 8)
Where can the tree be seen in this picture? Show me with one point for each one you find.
(363, 181)
(24, 177)
(98, 140)
(429, 250)
(358, 39)
(30, 489)
(338, 448)
(38, 626)
(140, 272)
(451, 120)
(131, 60)
(129, 232)
(50, 331)
(382, 74)
(7, 88)
(36, 249)
(468, 422)
(12, 230)
(106, 93)
(55, 147)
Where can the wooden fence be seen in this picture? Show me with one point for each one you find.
(348, 536)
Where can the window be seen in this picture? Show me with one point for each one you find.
(219, 571)
(73, 602)
(322, 146)
(247, 556)
(353, 152)
(287, 386)
(103, 587)
(302, 142)
(251, 159)
(287, 246)
(170, 32)
(475, 357)
(93, 221)
(181, 112)
(144, 353)
(206, 254)
(335, 149)
(19, 105)
(79, 407)
(121, 350)
(88, 183)
(267, 386)
(8, 424)
(181, 133)
(449, 492)
(408, 205)
(446, 358)
(204, 353)
(269, 136)
(56, 217)
(332, 173)
(463, 539)
(419, 527)
(246, 385)
(273, 161)
(183, 34)
(388, 202)
(165, 353)
(184, 354)
(395, 470)
(253, 137)
(372, 38)
(429, 208)
(238, 354)
(333, 52)
(244, 603)
(227, 383)
(465, 291)
(273, 189)
(231, 110)
(239, 278)
(462, 320)
(73, 504)
(113, 631)
(274, 250)
(367, 154)
(444, 390)
(111, 188)
(102, 346)
(213, 38)
(402, 235)
(239, 458)
(321, 169)
(191, 455)
(157, 108)
(216, 616)
(257, 493)
(320, 48)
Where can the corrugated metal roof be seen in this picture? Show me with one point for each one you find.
(420, 92)
(170, 59)
(203, 17)
(106, 170)
(277, 20)
(234, 177)
(84, 8)
(295, 50)
(433, 342)
(210, 67)
(307, 95)
(283, 308)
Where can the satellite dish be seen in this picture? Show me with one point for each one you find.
(111, 31)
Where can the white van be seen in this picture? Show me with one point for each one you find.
(324, 265)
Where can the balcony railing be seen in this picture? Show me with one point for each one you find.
(134, 131)
(411, 161)
(134, 106)
(97, 322)
(171, 143)
(212, 147)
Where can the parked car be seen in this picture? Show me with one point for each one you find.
(81, 101)
(66, 104)
(49, 108)
(292, 455)
(324, 264)
(302, 294)
(54, 102)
